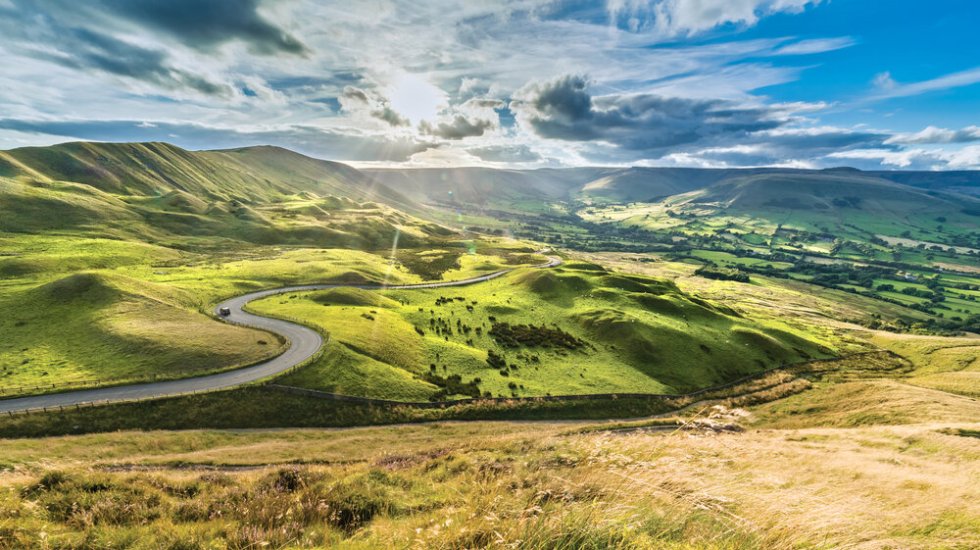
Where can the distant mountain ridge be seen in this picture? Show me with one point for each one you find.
(641, 184)
(160, 192)
(155, 168)
(268, 194)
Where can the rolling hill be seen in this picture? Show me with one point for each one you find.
(819, 191)
(486, 187)
(162, 193)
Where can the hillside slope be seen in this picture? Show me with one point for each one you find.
(822, 191)
(152, 169)
(514, 189)
(159, 192)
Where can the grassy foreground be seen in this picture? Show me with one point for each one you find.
(499, 485)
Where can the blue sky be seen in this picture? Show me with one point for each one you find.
(522, 83)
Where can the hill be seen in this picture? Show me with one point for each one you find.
(160, 192)
(820, 191)
(570, 330)
(251, 174)
(488, 188)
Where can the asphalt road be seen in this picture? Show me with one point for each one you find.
(304, 343)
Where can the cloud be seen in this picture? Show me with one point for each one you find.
(506, 153)
(457, 127)
(206, 24)
(889, 88)
(472, 118)
(672, 18)
(563, 109)
(814, 46)
(932, 134)
(354, 80)
(884, 81)
(93, 50)
(967, 158)
(387, 114)
(357, 100)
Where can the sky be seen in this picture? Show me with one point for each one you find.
(518, 84)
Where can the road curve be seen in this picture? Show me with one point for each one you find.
(304, 342)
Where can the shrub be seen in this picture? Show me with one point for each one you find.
(353, 503)
(530, 335)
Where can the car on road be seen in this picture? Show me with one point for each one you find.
(224, 311)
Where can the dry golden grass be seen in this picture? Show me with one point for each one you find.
(866, 403)
(502, 485)
(941, 363)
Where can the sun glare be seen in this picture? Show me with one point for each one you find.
(416, 98)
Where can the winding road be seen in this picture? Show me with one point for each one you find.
(304, 342)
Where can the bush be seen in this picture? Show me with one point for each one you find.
(722, 274)
(529, 335)
(353, 503)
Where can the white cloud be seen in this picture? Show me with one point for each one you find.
(967, 158)
(347, 81)
(814, 46)
(933, 134)
(671, 18)
(888, 88)
(884, 81)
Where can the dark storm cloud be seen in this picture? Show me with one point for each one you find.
(342, 145)
(94, 50)
(96, 34)
(458, 127)
(80, 36)
(563, 109)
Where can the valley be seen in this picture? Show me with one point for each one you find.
(496, 275)
(613, 318)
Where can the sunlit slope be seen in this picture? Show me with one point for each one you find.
(154, 168)
(156, 191)
(531, 190)
(570, 330)
(92, 326)
(820, 191)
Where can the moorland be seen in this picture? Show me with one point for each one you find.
(714, 353)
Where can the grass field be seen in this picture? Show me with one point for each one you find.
(947, 364)
(113, 256)
(570, 330)
(89, 311)
(540, 485)
(93, 328)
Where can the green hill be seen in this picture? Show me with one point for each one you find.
(819, 191)
(575, 329)
(94, 327)
(519, 189)
(251, 174)
(159, 192)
